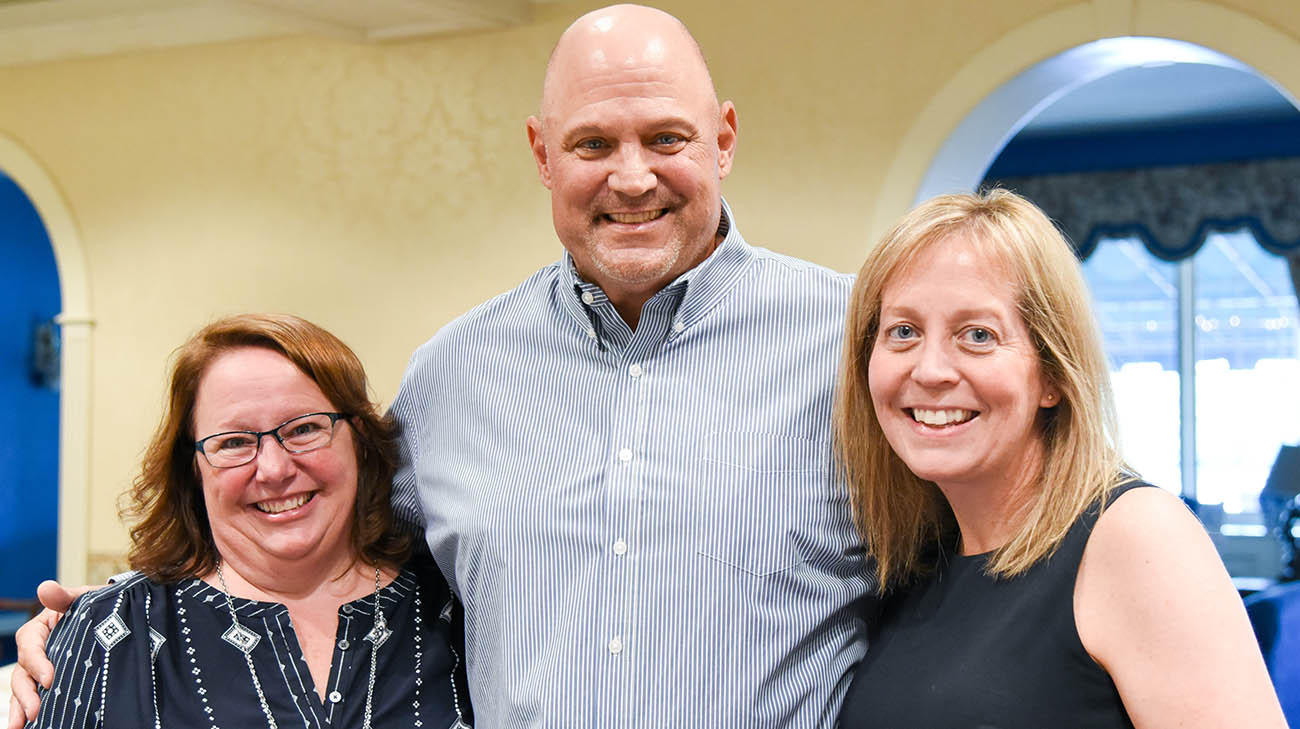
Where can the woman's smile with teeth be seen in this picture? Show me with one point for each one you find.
(941, 417)
(631, 218)
(293, 502)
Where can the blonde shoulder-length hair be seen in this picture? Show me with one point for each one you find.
(904, 518)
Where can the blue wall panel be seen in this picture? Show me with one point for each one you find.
(29, 413)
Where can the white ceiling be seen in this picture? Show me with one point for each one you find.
(33, 31)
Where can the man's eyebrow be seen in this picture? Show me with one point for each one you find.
(673, 122)
(572, 136)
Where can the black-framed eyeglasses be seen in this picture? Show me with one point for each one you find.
(302, 434)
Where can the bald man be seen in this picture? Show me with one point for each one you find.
(624, 466)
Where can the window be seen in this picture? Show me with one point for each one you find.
(1217, 335)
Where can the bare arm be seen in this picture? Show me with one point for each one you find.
(33, 664)
(1155, 607)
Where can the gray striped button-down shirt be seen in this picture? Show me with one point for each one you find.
(645, 526)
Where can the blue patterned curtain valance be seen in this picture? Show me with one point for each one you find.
(1173, 208)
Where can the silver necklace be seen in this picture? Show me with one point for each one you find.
(245, 639)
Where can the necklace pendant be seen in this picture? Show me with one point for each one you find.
(241, 637)
(378, 634)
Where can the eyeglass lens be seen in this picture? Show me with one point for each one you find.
(302, 434)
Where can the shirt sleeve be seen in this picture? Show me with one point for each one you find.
(102, 652)
(73, 700)
(406, 410)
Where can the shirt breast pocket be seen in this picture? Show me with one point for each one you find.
(759, 495)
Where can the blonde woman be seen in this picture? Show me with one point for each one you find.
(1028, 579)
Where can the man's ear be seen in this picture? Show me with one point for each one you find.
(727, 132)
(538, 146)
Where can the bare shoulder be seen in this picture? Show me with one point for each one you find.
(1146, 551)
(1144, 526)
(1156, 609)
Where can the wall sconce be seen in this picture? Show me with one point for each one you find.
(44, 371)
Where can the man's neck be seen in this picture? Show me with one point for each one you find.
(629, 304)
(629, 308)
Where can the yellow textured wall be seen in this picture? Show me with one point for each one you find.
(381, 190)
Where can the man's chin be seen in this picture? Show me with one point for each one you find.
(637, 268)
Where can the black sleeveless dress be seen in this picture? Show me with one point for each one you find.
(962, 650)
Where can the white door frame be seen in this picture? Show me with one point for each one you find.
(75, 321)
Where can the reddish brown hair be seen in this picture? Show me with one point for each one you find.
(171, 538)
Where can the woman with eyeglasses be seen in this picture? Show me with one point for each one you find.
(272, 585)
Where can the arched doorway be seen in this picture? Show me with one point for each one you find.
(966, 155)
(74, 322)
(961, 130)
(29, 420)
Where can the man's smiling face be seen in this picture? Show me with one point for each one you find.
(633, 146)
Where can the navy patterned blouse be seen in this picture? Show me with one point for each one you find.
(141, 654)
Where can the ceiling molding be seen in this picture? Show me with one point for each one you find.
(396, 19)
(37, 31)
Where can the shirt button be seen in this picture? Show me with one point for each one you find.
(591, 333)
(634, 370)
(335, 697)
(625, 454)
(587, 298)
(615, 645)
(620, 547)
(678, 326)
(347, 609)
(344, 644)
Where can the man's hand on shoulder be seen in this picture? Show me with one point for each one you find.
(33, 664)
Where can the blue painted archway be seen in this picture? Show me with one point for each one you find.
(29, 403)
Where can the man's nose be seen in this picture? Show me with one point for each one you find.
(631, 175)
